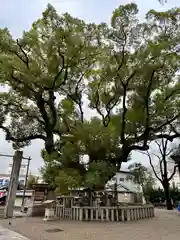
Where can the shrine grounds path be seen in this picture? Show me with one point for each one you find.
(165, 226)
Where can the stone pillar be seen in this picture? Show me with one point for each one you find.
(10, 200)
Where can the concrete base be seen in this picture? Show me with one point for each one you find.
(49, 214)
(36, 210)
(50, 219)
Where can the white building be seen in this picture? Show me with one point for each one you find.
(22, 174)
(126, 188)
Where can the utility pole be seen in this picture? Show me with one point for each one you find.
(26, 180)
(10, 200)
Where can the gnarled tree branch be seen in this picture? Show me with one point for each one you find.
(153, 168)
(9, 137)
(26, 61)
(173, 173)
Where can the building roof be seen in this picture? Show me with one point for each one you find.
(9, 175)
(176, 154)
(124, 187)
(125, 171)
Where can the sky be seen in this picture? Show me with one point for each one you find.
(18, 15)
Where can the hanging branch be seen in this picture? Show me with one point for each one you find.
(153, 168)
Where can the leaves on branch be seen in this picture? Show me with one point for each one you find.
(129, 71)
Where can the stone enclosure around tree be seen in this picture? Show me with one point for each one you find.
(108, 213)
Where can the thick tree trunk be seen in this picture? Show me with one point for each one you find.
(49, 143)
(90, 197)
(167, 195)
(116, 193)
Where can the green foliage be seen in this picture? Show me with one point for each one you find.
(92, 139)
(157, 195)
(50, 62)
(50, 170)
(31, 181)
(128, 71)
(67, 180)
(98, 174)
(142, 73)
(131, 67)
(142, 176)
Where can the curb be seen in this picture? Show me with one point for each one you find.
(8, 234)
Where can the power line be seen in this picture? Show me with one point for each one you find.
(11, 156)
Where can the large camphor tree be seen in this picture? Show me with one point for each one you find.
(128, 73)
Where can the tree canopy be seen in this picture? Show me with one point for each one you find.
(50, 62)
(127, 71)
(69, 169)
(142, 176)
(31, 181)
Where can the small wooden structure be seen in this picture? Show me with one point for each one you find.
(39, 195)
(40, 192)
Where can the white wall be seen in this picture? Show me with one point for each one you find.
(23, 169)
(123, 178)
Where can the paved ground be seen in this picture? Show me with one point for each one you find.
(165, 226)
(6, 234)
(16, 213)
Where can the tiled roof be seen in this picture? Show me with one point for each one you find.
(125, 171)
(176, 153)
(125, 187)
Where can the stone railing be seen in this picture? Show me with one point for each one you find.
(117, 214)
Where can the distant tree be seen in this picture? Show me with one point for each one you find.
(156, 196)
(31, 181)
(143, 177)
(141, 174)
(162, 156)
